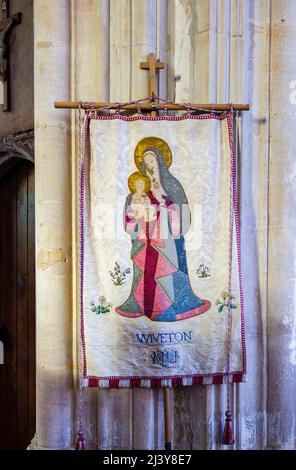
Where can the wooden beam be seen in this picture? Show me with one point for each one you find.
(151, 106)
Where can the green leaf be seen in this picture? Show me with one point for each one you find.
(220, 308)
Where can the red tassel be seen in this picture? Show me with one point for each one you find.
(228, 437)
(80, 444)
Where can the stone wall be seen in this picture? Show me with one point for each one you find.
(217, 51)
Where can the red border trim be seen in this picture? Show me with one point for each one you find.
(237, 231)
(164, 381)
(141, 117)
(170, 381)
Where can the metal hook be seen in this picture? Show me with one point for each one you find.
(117, 108)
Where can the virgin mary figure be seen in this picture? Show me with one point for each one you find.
(157, 216)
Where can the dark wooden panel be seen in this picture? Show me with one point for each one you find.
(17, 307)
(31, 305)
(9, 312)
(22, 305)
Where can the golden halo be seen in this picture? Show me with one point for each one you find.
(152, 142)
(134, 177)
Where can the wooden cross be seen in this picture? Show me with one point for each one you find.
(152, 65)
(6, 25)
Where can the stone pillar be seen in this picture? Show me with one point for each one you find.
(52, 21)
(90, 80)
(220, 52)
(91, 50)
(253, 155)
(282, 227)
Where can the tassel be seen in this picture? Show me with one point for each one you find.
(80, 444)
(228, 437)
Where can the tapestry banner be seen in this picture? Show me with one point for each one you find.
(161, 291)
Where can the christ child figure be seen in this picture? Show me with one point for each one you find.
(141, 207)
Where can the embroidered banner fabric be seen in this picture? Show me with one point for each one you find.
(160, 263)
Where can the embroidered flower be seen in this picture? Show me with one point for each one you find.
(102, 307)
(225, 300)
(118, 276)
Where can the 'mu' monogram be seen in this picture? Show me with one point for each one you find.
(165, 358)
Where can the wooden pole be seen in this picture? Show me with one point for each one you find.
(152, 106)
(167, 417)
(151, 66)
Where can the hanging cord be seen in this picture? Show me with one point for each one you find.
(121, 105)
(189, 107)
(83, 128)
(228, 435)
